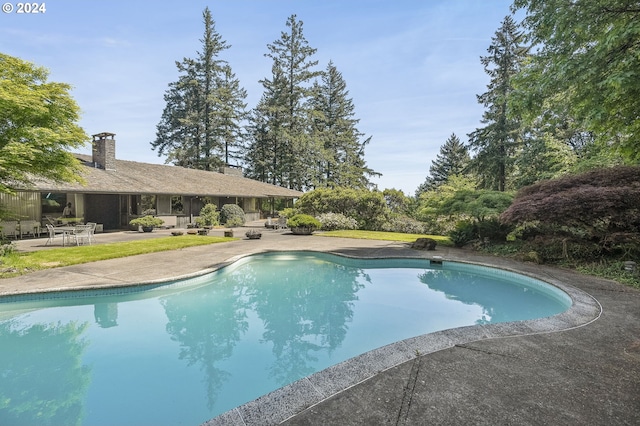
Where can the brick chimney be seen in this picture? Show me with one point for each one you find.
(104, 151)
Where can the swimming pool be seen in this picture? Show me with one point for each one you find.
(187, 351)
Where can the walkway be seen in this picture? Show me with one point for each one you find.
(583, 374)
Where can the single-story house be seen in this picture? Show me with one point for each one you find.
(117, 191)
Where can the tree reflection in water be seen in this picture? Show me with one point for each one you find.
(500, 300)
(208, 329)
(301, 312)
(304, 312)
(63, 381)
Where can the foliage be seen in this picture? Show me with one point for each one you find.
(280, 149)
(396, 201)
(209, 216)
(493, 230)
(334, 221)
(600, 204)
(480, 204)
(368, 208)
(588, 62)
(146, 221)
(38, 125)
(6, 247)
(288, 212)
(304, 221)
(429, 204)
(55, 257)
(495, 144)
(463, 233)
(200, 124)
(453, 159)
(613, 270)
(404, 224)
(232, 215)
(543, 156)
(332, 123)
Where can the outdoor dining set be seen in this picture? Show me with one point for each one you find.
(76, 234)
(67, 234)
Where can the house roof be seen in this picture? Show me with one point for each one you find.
(131, 177)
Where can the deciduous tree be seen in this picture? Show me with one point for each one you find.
(588, 59)
(38, 125)
(599, 202)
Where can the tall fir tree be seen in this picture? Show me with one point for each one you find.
(281, 150)
(453, 159)
(333, 126)
(200, 123)
(496, 143)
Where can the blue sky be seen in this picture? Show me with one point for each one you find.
(412, 67)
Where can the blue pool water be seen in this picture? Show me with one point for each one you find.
(185, 352)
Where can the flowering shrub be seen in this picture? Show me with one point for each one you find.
(334, 221)
(405, 225)
(232, 215)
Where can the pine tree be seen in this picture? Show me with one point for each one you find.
(453, 159)
(334, 128)
(200, 123)
(281, 150)
(496, 143)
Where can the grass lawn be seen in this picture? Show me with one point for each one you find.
(386, 236)
(20, 263)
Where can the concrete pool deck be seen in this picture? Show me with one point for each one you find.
(582, 367)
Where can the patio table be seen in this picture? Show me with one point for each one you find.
(67, 232)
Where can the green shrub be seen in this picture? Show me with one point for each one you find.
(304, 221)
(336, 221)
(209, 216)
(368, 208)
(405, 225)
(6, 247)
(232, 215)
(147, 221)
(493, 229)
(288, 212)
(463, 233)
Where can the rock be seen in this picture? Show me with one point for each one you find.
(424, 244)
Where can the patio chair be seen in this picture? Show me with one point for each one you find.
(9, 229)
(29, 227)
(92, 231)
(51, 220)
(54, 233)
(82, 234)
(282, 223)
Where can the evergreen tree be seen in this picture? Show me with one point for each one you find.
(453, 159)
(333, 126)
(281, 150)
(265, 156)
(495, 144)
(200, 123)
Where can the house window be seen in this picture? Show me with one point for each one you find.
(148, 204)
(176, 205)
